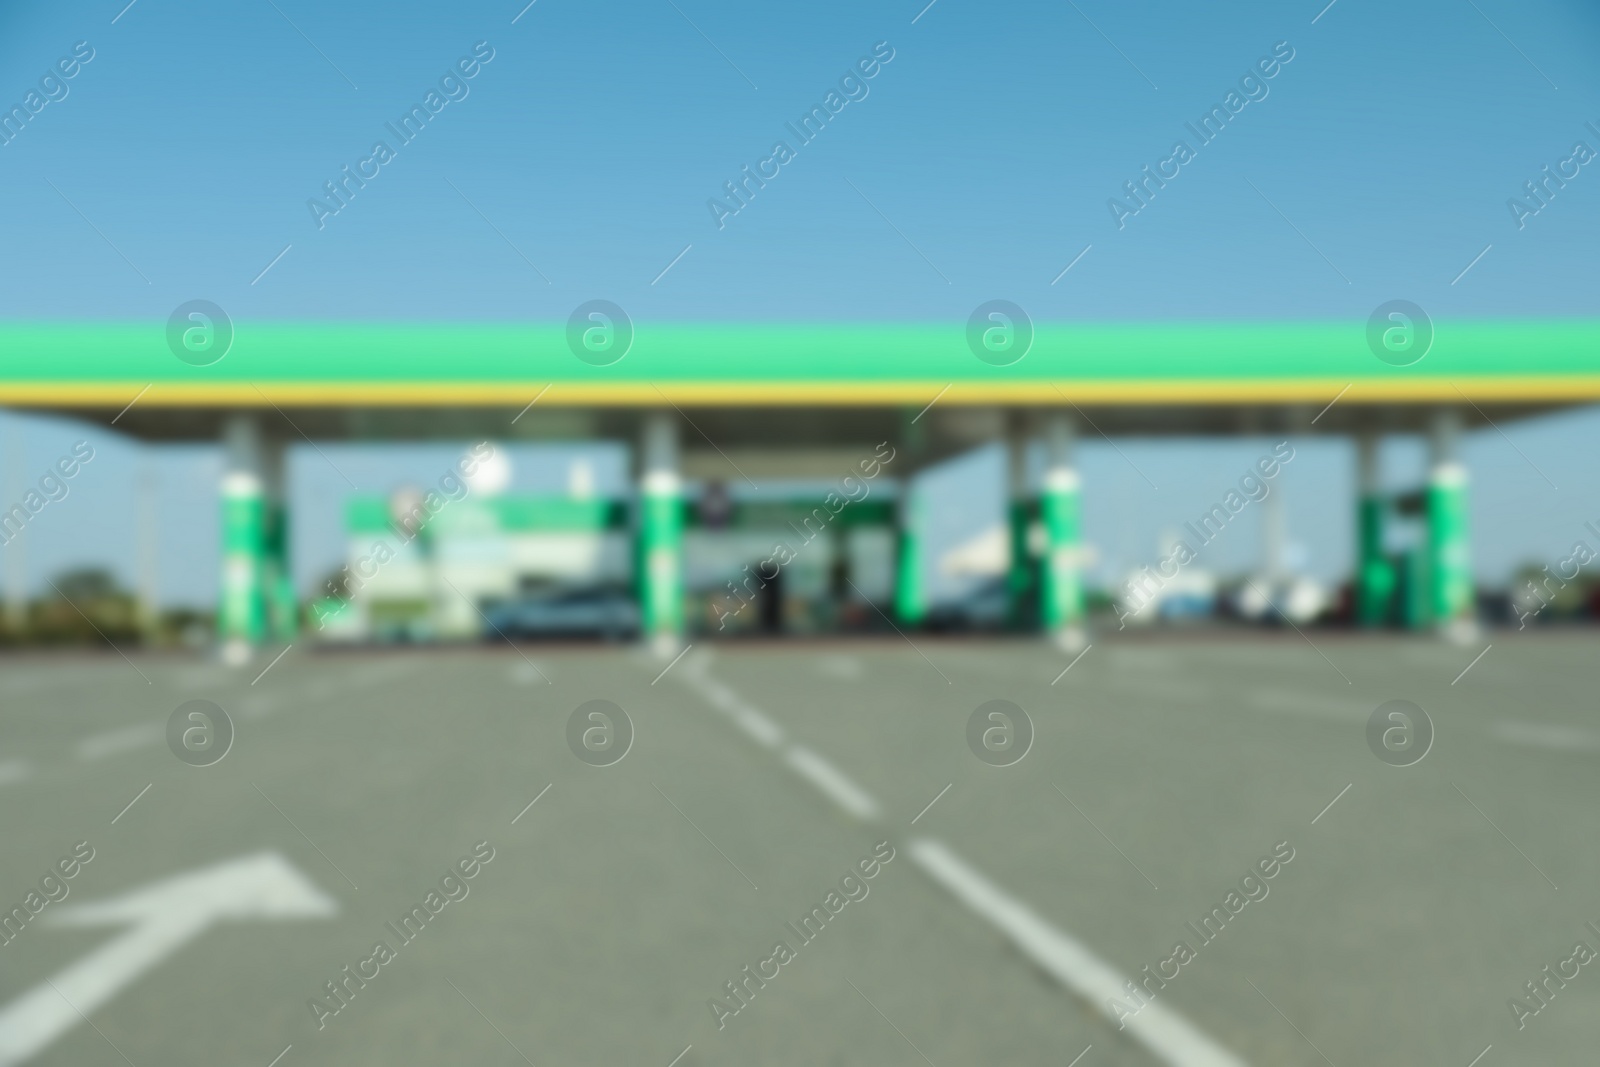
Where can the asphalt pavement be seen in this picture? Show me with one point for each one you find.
(945, 851)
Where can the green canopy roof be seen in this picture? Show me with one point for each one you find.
(424, 365)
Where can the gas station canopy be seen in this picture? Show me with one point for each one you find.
(841, 381)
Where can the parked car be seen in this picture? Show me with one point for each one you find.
(985, 607)
(609, 614)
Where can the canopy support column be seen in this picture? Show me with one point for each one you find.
(1374, 575)
(1022, 577)
(910, 590)
(1449, 554)
(241, 615)
(1061, 585)
(282, 608)
(661, 533)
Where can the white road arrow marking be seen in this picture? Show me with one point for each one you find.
(165, 916)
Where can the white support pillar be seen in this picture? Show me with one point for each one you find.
(660, 556)
(241, 613)
(1449, 554)
(1061, 580)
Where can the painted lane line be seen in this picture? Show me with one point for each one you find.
(29, 683)
(257, 705)
(1546, 735)
(832, 782)
(110, 742)
(762, 730)
(844, 668)
(721, 697)
(1169, 1036)
(1288, 702)
(1156, 689)
(163, 917)
(757, 726)
(828, 779)
(1166, 1033)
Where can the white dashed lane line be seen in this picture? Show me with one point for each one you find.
(1303, 705)
(832, 782)
(253, 705)
(761, 729)
(1164, 1032)
(1161, 1030)
(110, 742)
(1546, 735)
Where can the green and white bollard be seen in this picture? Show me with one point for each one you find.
(241, 615)
(1020, 574)
(283, 607)
(1449, 553)
(1375, 577)
(910, 594)
(661, 535)
(1061, 579)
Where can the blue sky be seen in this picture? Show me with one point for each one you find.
(978, 166)
(992, 141)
